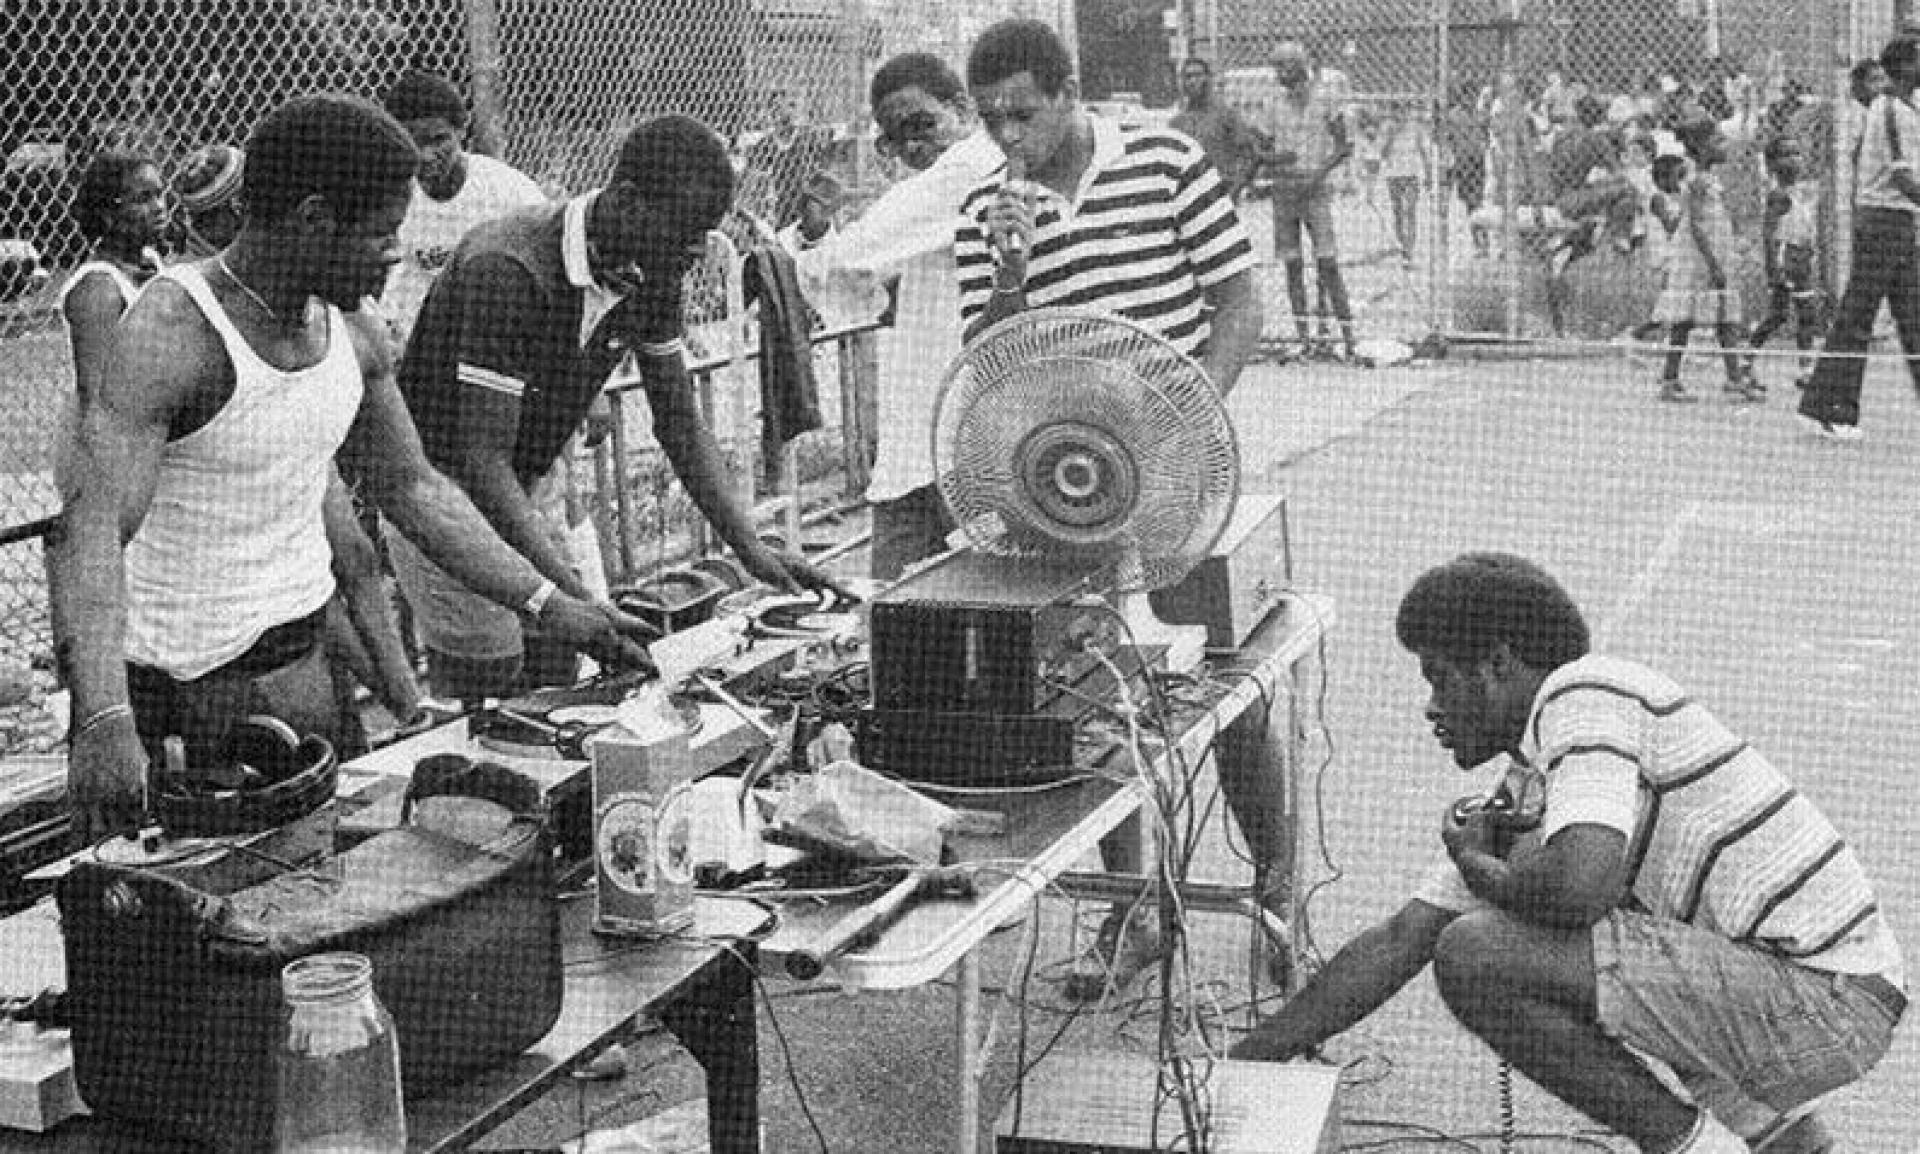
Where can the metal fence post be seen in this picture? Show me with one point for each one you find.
(1440, 263)
(485, 134)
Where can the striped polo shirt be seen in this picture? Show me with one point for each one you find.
(1147, 232)
(1717, 837)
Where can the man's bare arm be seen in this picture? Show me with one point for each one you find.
(161, 354)
(696, 459)
(489, 427)
(433, 513)
(1365, 973)
(92, 310)
(1235, 329)
(427, 507)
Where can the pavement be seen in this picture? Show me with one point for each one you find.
(1769, 572)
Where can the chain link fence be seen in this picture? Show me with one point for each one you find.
(556, 84)
(1486, 93)
(1444, 215)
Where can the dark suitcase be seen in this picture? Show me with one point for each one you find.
(175, 992)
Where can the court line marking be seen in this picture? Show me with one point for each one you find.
(1649, 576)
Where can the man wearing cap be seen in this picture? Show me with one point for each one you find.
(208, 189)
(454, 191)
(518, 336)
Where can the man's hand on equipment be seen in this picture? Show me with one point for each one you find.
(106, 780)
(790, 572)
(615, 640)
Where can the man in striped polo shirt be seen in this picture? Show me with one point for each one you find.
(1642, 884)
(1090, 214)
(1085, 213)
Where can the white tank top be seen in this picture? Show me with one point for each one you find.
(128, 290)
(234, 543)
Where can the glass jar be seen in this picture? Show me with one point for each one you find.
(339, 1066)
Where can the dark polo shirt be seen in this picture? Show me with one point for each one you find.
(505, 316)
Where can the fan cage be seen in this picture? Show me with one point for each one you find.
(1068, 394)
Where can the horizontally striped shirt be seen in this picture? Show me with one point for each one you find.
(1149, 230)
(1717, 837)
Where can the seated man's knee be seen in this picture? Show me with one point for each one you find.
(1469, 959)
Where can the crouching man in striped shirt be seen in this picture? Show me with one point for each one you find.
(1642, 884)
(1085, 213)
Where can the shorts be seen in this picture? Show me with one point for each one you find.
(452, 619)
(1296, 210)
(1734, 1022)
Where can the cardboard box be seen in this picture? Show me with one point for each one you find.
(643, 837)
(1104, 1104)
(37, 1090)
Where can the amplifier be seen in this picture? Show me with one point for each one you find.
(966, 749)
(979, 634)
(1238, 585)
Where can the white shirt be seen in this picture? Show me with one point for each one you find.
(433, 229)
(908, 231)
(1889, 143)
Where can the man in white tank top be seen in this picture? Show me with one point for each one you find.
(191, 564)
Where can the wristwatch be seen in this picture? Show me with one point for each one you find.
(540, 597)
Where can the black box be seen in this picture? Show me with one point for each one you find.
(1239, 584)
(984, 635)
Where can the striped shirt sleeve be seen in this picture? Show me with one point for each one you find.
(1589, 750)
(1216, 241)
(972, 259)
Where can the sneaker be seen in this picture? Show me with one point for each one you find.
(1121, 948)
(1676, 393)
(1745, 389)
(1830, 430)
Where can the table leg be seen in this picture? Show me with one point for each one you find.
(714, 1019)
(1258, 756)
(966, 1130)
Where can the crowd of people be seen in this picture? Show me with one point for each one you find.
(367, 302)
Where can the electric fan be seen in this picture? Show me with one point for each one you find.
(1082, 437)
(1087, 462)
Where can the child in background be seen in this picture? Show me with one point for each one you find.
(1667, 181)
(1405, 156)
(1790, 232)
(1669, 184)
(1698, 289)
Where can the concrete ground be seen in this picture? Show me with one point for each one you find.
(1769, 572)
